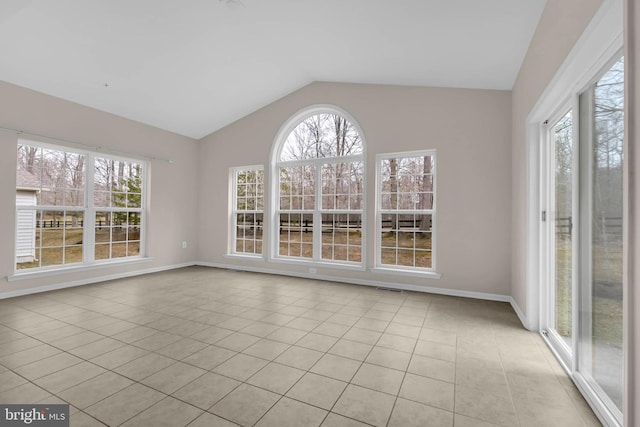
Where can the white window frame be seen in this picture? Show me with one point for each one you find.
(274, 194)
(234, 211)
(379, 266)
(89, 211)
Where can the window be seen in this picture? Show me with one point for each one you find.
(248, 210)
(406, 210)
(319, 190)
(76, 208)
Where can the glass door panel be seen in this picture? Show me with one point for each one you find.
(562, 227)
(601, 283)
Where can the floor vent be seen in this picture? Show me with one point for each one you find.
(390, 290)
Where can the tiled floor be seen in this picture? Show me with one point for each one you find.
(207, 347)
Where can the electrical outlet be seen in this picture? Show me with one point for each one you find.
(312, 270)
(184, 244)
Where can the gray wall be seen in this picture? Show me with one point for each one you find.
(471, 130)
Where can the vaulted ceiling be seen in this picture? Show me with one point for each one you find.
(194, 66)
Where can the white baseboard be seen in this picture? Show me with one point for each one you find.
(365, 282)
(521, 315)
(29, 291)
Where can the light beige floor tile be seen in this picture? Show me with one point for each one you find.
(408, 320)
(237, 341)
(157, 341)
(119, 357)
(365, 405)
(303, 324)
(389, 358)
(124, 404)
(464, 421)
(428, 391)
(210, 420)
(277, 319)
(206, 390)
(173, 377)
(58, 334)
(276, 377)
(134, 334)
(245, 405)
(9, 380)
(182, 348)
(27, 392)
(343, 319)
(96, 348)
(209, 357)
(187, 328)
(335, 420)
(407, 413)
(364, 336)
(291, 413)
(332, 329)
(235, 323)
(438, 336)
(491, 407)
(299, 357)
(403, 330)
(240, 367)
(315, 314)
(69, 377)
(379, 378)
(77, 340)
(397, 342)
(433, 368)
(385, 316)
(317, 390)
(477, 361)
(351, 349)
(80, 419)
(485, 380)
(211, 335)
(169, 412)
(287, 335)
(328, 306)
(144, 366)
(317, 342)
(436, 350)
(293, 310)
(266, 349)
(484, 339)
(30, 355)
(95, 389)
(337, 367)
(47, 366)
(260, 329)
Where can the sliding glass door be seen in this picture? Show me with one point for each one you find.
(601, 147)
(582, 238)
(560, 242)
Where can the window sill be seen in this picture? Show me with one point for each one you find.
(256, 257)
(56, 271)
(319, 264)
(428, 274)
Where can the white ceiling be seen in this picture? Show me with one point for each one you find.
(194, 66)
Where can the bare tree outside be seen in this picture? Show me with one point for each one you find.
(322, 181)
(407, 196)
(57, 179)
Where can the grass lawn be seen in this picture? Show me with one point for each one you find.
(64, 246)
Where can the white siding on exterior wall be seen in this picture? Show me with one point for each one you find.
(26, 230)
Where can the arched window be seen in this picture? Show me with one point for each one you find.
(319, 188)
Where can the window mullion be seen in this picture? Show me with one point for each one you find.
(88, 232)
(317, 214)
